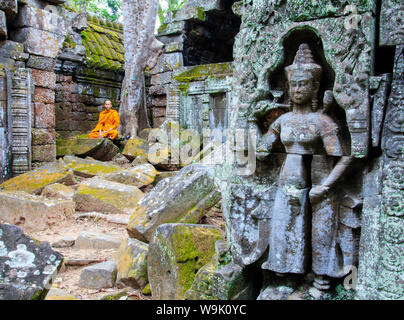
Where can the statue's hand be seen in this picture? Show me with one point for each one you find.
(317, 193)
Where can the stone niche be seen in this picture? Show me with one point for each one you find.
(264, 207)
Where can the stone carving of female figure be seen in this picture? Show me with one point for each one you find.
(304, 219)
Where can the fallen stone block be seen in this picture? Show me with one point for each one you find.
(94, 240)
(183, 198)
(59, 294)
(33, 213)
(138, 176)
(100, 195)
(65, 242)
(176, 253)
(88, 168)
(58, 191)
(34, 181)
(163, 175)
(26, 268)
(135, 147)
(131, 261)
(98, 276)
(81, 145)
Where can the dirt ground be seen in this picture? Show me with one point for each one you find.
(68, 277)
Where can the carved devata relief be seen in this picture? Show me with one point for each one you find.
(306, 217)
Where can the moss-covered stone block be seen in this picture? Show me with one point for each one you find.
(81, 145)
(34, 181)
(138, 176)
(105, 196)
(176, 253)
(89, 167)
(183, 198)
(58, 191)
(135, 147)
(131, 261)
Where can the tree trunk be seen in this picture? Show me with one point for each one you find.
(139, 18)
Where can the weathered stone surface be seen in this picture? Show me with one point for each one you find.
(59, 294)
(105, 196)
(221, 279)
(175, 147)
(174, 47)
(159, 155)
(168, 62)
(65, 242)
(138, 176)
(44, 115)
(42, 63)
(176, 254)
(10, 7)
(44, 79)
(161, 78)
(44, 153)
(94, 240)
(391, 23)
(13, 50)
(135, 147)
(34, 181)
(33, 213)
(164, 174)
(40, 19)
(44, 95)
(120, 159)
(3, 26)
(58, 191)
(380, 273)
(38, 42)
(98, 276)
(43, 136)
(81, 145)
(201, 286)
(26, 267)
(89, 167)
(131, 261)
(182, 198)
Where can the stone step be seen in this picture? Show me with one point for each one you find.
(94, 240)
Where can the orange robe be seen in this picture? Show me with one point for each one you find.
(107, 120)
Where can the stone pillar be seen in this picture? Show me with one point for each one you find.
(19, 119)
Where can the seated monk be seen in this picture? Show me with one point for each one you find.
(107, 123)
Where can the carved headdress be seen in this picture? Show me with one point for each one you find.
(304, 62)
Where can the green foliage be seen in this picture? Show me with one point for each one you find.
(170, 6)
(106, 9)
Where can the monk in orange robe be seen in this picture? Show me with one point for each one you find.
(107, 123)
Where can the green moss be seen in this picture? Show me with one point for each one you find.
(193, 249)
(38, 295)
(33, 181)
(146, 290)
(109, 196)
(162, 28)
(201, 13)
(203, 71)
(69, 43)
